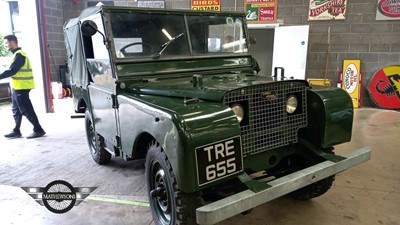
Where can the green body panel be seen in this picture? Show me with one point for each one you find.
(179, 65)
(213, 86)
(80, 98)
(179, 128)
(104, 113)
(330, 117)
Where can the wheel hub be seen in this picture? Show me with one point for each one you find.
(159, 193)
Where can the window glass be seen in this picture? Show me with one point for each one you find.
(99, 49)
(217, 34)
(141, 35)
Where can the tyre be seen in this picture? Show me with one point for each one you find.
(315, 189)
(169, 206)
(96, 143)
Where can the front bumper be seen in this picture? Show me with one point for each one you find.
(245, 200)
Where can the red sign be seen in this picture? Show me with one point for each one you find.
(384, 88)
(389, 8)
(267, 14)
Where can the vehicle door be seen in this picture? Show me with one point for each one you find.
(102, 82)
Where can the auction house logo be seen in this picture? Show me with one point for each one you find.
(59, 196)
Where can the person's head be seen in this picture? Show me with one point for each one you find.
(11, 42)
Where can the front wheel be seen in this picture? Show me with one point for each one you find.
(169, 206)
(96, 143)
(315, 189)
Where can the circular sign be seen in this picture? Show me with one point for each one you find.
(59, 196)
(384, 88)
(389, 8)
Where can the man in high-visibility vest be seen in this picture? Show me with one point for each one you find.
(22, 83)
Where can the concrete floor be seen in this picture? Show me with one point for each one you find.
(366, 194)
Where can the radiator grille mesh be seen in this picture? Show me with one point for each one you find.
(267, 124)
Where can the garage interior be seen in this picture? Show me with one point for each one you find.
(365, 194)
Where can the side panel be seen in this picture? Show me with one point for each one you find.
(103, 113)
(79, 94)
(330, 117)
(179, 129)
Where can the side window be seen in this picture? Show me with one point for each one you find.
(99, 48)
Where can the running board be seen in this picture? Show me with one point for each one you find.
(245, 200)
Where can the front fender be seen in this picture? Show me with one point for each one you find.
(330, 117)
(179, 128)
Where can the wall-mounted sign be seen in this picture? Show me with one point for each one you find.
(384, 88)
(261, 11)
(159, 4)
(206, 5)
(351, 80)
(327, 10)
(388, 10)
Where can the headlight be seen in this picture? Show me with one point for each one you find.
(291, 104)
(238, 110)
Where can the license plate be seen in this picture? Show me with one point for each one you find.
(218, 160)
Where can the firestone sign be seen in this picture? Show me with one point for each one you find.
(206, 5)
(327, 10)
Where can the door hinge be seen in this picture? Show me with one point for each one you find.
(114, 101)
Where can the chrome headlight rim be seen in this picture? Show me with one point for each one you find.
(291, 104)
(238, 111)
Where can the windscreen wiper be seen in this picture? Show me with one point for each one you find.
(165, 45)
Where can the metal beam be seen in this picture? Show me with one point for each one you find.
(245, 200)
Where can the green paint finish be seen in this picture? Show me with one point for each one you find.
(187, 65)
(213, 86)
(330, 117)
(178, 127)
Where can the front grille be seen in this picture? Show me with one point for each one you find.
(267, 125)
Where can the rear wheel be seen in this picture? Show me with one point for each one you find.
(96, 143)
(168, 204)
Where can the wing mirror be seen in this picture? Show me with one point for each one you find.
(89, 28)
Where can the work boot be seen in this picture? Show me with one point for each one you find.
(13, 135)
(36, 134)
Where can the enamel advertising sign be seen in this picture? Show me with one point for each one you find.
(327, 10)
(384, 88)
(260, 11)
(388, 10)
(206, 5)
(351, 80)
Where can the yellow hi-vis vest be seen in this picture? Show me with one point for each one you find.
(23, 79)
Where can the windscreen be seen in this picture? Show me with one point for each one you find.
(157, 35)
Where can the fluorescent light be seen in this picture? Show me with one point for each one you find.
(166, 34)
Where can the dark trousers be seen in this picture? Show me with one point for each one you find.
(22, 106)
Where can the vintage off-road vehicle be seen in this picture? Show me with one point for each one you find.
(218, 139)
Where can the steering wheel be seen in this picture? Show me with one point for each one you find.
(148, 46)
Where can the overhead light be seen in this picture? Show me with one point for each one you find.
(166, 34)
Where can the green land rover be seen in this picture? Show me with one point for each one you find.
(178, 88)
